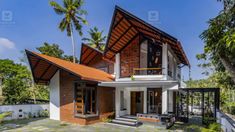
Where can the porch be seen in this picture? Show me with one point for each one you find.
(145, 97)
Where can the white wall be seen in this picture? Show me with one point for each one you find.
(23, 111)
(227, 123)
(55, 97)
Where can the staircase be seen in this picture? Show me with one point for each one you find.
(126, 121)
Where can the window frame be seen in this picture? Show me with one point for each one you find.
(85, 114)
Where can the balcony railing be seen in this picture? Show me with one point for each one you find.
(147, 71)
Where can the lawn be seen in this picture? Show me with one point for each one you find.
(47, 125)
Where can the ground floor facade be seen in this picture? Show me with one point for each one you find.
(85, 102)
(133, 100)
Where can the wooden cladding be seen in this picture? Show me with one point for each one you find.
(85, 98)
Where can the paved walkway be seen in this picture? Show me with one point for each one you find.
(47, 125)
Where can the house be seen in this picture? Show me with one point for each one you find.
(139, 72)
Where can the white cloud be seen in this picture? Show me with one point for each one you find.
(4, 42)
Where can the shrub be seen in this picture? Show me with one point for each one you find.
(193, 128)
(43, 113)
(4, 115)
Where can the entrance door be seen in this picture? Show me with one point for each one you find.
(137, 99)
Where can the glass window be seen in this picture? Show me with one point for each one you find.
(85, 98)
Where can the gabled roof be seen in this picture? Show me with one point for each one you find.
(88, 53)
(43, 68)
(125, 27)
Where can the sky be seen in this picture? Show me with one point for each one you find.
(27, 24)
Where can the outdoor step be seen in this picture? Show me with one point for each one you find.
(129, 117)
(124, 122)
(126, 119)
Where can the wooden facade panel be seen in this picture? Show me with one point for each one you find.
(106, 98)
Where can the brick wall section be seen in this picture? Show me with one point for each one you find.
(130, 58)
(98, 63)
(105, 97)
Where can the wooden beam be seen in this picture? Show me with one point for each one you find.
(44, 72)
(137, 34)
(120, 37)
(91, 59)
(36, 64)
(117, 23)
(88, 55)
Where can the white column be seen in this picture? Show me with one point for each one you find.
(117, 102)
(117, 66)
(164, 61)
(164, 100)
(145, 100)
(55, 96)
(170, 100)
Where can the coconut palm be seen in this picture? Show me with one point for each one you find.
(72, 13)
(96, 39)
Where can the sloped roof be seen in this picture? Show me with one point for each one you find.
(125, 27)
(43, 68)
(88, 53)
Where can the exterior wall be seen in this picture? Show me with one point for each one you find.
(227, 123)
(55, 97)
(23, 111)
(101, 64)
(67, 98)
(130, 58)
(127, 99)
(167, 98)
(105, 99)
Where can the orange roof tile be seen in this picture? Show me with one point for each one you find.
(85, 72)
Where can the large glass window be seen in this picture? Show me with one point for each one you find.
(85, 99)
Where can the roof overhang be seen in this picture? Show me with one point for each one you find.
(88, 54)
(146, 83)
(44, 67)
(125, 27)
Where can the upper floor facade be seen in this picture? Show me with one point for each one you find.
(135, 50)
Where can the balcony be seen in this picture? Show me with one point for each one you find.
(148, 74)
(147, 71)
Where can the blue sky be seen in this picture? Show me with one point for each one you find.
(34, 22)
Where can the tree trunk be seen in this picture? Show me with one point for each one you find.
(228, 66)
(73, 44)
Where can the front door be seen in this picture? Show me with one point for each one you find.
(137, 99)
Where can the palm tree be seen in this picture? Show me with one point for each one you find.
(96, 38)
(72, 13)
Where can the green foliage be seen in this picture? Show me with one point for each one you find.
(51, 50)
(15, 83)
(214, 127)
(4, 115)
(72, 18)
(96, 39)
(72, 13)
(43, 113)
(229, 107)
(193, 128)
(54, 51)
(18, 85)
(219, 38)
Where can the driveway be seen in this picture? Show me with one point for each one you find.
(47, 125)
